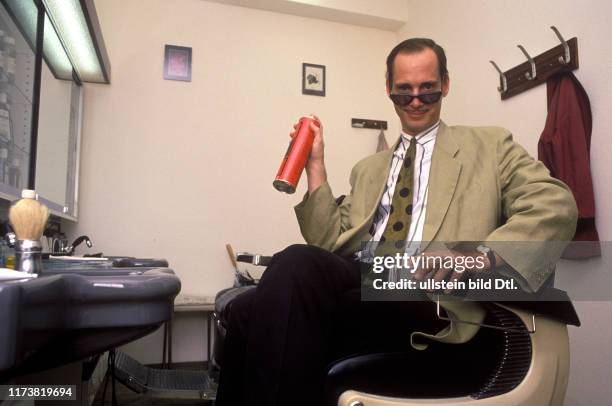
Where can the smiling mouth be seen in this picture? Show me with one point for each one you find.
(415, 112)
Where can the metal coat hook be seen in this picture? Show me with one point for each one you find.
(566, 48)
(503, 83)
(532, 75)
(563, 57)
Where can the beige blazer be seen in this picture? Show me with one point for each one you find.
(483, 187)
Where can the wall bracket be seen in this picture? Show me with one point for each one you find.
(365, 123)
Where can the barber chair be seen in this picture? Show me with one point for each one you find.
(525, 359)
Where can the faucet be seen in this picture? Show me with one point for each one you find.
(6, 231)
(10, 238)
(70, 249)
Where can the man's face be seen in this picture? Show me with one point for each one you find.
(417, 73)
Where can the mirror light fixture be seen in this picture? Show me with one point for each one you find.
(78, 29)
(25, 15)
(72, 37)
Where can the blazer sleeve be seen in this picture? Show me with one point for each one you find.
(320, 218)
(540, 213)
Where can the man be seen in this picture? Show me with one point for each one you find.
(437, 183)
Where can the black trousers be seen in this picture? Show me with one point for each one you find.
(283, 334)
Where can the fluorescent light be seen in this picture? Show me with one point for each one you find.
(26, 15)
(54, 53)
(72, 37)
(74, 27)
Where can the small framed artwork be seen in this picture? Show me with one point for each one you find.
(177, 63)
(313, 79)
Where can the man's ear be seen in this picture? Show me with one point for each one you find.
(388, 87)
(445, 85)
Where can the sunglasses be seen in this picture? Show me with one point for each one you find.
(404, 99)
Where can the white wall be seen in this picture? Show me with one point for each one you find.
(176, 170)
(474, 31)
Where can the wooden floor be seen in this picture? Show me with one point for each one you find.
(127, 397)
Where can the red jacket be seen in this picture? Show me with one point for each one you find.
(564, 148)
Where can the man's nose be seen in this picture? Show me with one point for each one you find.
(415, 103)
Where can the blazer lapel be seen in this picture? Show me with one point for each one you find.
(377, 179)
(379, 171)
(443, 177)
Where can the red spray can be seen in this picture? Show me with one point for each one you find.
(293, 164)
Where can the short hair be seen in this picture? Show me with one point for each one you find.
(414, 45)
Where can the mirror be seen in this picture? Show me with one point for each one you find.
(58, 133)
(53, 110)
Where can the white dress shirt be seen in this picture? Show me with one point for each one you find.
(425, 142)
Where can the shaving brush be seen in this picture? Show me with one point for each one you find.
(28, 218)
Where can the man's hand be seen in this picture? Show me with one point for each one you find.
(315, 166)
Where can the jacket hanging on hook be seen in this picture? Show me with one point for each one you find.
(564, 147)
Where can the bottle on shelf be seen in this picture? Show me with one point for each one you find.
(10, 57)
(2, 63)
(4, 165)
(15, 174)
(5, 118)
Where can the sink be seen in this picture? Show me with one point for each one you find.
(68, 314)
(100, 266)
(138, 262)
(55, 266)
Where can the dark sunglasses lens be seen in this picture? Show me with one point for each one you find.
(429, 98)
(401, 99)
(406, 99)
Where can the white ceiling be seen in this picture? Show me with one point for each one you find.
(388, 15)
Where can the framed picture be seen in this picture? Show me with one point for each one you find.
(313, 79)
(177, 63)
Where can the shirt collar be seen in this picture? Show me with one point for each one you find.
(421, 138)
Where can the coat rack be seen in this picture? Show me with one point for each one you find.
(535, 71)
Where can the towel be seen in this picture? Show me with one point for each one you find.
(10, 275)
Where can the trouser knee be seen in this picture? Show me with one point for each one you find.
(240, 310)
(297, 262)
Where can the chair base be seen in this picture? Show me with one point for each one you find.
(545, 382)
